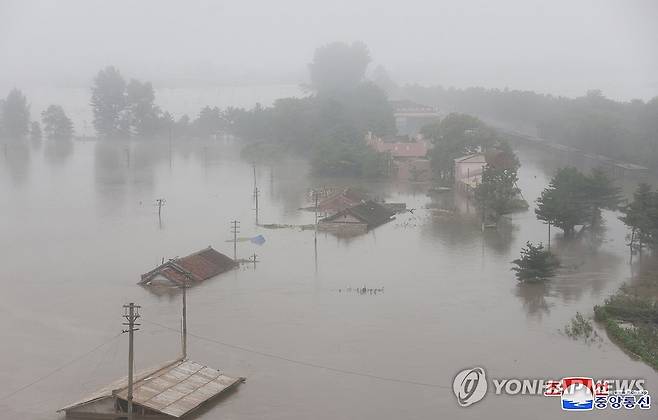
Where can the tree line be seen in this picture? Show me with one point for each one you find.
(329, 125)
(626, 131)
(16, 124)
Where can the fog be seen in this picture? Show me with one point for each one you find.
(561, 47)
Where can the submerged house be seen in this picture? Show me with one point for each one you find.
(357, 219)
(410, 116)
(193, 268)
(341, 200)
(172, 390)
(468, 171)
(409, 161)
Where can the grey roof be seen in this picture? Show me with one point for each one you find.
(369, 212)
(174, 389)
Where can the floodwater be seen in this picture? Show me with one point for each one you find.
(79, 226)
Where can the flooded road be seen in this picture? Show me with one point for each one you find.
(79, 226)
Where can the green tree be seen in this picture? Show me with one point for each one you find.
(56, 125)
(338, 66)
(602, 194)
(565, 203)
(455, 136)
(641, 217)
(15, 115)
(108, 101)
(497, 193)
(536, 264)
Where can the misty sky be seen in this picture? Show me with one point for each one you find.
(557, 46)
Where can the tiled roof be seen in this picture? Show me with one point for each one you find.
(369, 212)
(199, 266)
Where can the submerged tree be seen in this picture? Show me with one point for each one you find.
(455, 136)
(108, 101)
(145, 116)
(602, 195)
(15, 115)
(641, 217)
(35, 132)
(536, 264)
(497, 194)
(568, 201)
(56, 125)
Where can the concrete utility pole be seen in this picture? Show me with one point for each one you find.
(235, 229)
(131, 313)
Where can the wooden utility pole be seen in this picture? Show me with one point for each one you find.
(184, 338)
(254, 166)
(170, 146)
(549, 236)
(131, 313)
(235, 228)
(256, 200)
(255, 192)
(315, 198)
(160, 202)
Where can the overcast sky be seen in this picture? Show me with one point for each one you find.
(553, 46)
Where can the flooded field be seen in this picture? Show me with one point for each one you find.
(79, 226)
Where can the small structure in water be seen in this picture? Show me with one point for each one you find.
(341, 200)
(194, 268)
(356, 219)
(172, 390)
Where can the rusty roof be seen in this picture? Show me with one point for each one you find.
(198, 266)
(174, 389)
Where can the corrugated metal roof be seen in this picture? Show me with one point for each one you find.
(174, 389)
(180, 388)
(108, 390)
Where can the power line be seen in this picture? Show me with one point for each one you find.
(62, 367)
(307, 364)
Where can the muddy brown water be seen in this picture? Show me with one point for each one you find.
(79, 226)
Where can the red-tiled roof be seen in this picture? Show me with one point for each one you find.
(196, 267)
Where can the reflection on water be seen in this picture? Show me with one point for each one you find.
(16, 159)
(80, 226)
(57, 152)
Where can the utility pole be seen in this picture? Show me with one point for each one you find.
(255, 192)
(549, 236)
(254, 166)
(131, 313)
(315, 198)
(184, 340)
(160, 202)
(170, 141)
(256, 199)
(235, 228)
